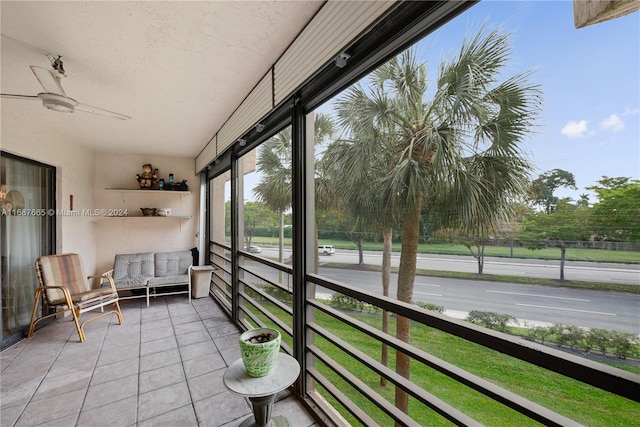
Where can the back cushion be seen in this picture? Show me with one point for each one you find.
(62, 270)
(172, 263)
(136, 268)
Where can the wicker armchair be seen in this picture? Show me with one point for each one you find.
(64, 287)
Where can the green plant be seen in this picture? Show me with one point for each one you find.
(567, 335)
(623, 344)
(490, 320)
(344, 301)
(279, 294)
(430, 306)
(599, 339)
(538, 333)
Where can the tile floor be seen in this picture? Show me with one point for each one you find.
(163, 367)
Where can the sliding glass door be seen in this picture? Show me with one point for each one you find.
(27, 226)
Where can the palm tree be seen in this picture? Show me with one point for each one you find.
(274, 163)
(583, 201)
(354, 192)
(462, 145)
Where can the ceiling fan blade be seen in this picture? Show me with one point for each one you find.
(27, 97)
(49, 82)
(100, 111)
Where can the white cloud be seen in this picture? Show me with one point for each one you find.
(613, 123)
(631, 111)
(574, 129)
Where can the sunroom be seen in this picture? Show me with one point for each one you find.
(217, 96)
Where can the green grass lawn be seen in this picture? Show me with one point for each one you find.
(573, 399)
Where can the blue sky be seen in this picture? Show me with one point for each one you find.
(590, 78)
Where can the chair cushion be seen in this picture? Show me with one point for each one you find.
(169, 264)
(133, 270)
(181, 279)
(86, 296)
(62, 270)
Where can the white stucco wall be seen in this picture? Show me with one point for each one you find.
(83, 173)
(130, 235)
(74, 165)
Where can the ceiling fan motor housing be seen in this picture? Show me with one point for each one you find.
(57, 102)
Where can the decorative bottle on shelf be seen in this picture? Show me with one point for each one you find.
(161, 184)
(170, 178)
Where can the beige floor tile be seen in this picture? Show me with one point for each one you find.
(227, 341)
(185, 318)
(290, 408)
(220, 409)
(163, 400)
(163, 367)
(158, 378)
(109, 392)
(120, 413)
(156, 334)
(157, 346)
(197, 367)
(206, 385)
(198, 350)
(53, 386)
(9, 415)
(52, 408)
(184, 416)
(185, 328)
(18, 393)
(159, 360)
(114, 371)
(189, 338)
(111, 355)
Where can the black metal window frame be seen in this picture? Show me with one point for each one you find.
(404, 25)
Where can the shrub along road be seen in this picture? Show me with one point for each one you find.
(527, 302)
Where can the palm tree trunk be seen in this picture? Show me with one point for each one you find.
(406, 277)
(281, 243)
(563, 253)
(281, 237)
(360, 245)
(386, 279)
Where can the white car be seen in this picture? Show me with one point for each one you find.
(326, 250)
(255, 249)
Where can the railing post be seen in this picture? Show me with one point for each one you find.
(301, 192)
(237, 227)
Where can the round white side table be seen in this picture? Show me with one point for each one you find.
(262, 391)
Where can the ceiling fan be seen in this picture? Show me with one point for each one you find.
(54, 97)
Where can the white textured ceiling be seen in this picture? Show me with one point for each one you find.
(179, 69)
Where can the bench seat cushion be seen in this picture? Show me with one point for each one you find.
(182, 279)
(133, 270)
(172, 264)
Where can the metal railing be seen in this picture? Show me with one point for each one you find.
(336, 361)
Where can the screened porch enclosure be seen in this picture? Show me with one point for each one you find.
(339, 347)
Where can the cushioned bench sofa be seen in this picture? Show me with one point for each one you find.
(155, 273)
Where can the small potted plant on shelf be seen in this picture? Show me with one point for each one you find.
(259, 349)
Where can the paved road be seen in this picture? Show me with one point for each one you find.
(535, 305)
(601, 272)
(574, 270)
(529, 303)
